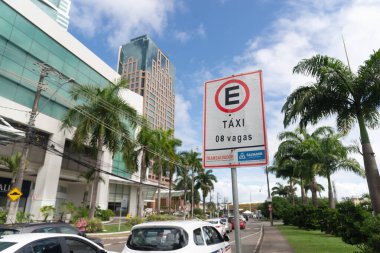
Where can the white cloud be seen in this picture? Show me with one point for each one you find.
(122, 19)
(182, 36)
(184, 126)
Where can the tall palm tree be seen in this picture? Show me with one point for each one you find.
(205, 181)
(13, 164)
(89, 177)
(102, 119)
(193, 161)
(183, 181)
(279, 190)
(330, 156)
(352, 97)
(164, 147)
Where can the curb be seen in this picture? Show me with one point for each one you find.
(258, 245)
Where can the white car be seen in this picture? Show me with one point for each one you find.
(218, 224)
(48, 243)
(176, 236)
(227, 226)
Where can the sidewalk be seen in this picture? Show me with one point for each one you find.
(274, 242)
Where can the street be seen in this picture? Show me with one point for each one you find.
(249, 239)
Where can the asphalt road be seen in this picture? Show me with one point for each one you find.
(249, 239)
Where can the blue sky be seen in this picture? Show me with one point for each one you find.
(209, 39)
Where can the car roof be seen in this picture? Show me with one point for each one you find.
(187, 225)
(41, 224)
(33, 236)
(214, 219)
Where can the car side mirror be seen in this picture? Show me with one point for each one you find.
(226, 238)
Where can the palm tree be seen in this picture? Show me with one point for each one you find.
(13, 164)
(101, 122)
(183, 181)
(331, 156)
(279, 190)
(89, 177)
(205, 181)
(164, 147)
(192, 160)
(348, 95)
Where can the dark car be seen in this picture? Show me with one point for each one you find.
(45, 227)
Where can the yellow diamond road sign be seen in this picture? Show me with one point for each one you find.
(14, 194)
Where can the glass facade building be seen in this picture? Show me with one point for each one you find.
(150, 74)
(29, 41)
(58, 10)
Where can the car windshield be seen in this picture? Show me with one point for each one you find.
(4, 245)
(157, 239)
(6, 231)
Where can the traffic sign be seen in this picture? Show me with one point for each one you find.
(234, 133)
(14, 194)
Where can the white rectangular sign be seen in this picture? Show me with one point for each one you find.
(234, 133)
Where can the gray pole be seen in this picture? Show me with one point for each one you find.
(270, 203)
(236, 209)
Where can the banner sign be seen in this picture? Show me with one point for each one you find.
(234, 133)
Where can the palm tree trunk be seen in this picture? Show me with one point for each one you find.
(159, 192)
(140, 199)
(204, 204)
(292, 191)
(314, 192)
(303, 197)
(170, 191)
(13, 207)
(85, 195)
(192, 192)
(96, 181)
(370, 166)
(330, 192)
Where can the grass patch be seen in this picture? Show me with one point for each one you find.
(313, 241)
(115, 228)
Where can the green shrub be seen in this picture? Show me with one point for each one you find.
(330, 221)
(3, 216)
(22, 217)
(79, 213)
(160, 217)
(94, 225)
(134, 221)
(198, 211)
(371, 230)
(46, 211)
(104, 215)
(351, 218)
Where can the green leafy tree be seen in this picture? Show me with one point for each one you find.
(193, 161)
(13, 164)
(102, 120)
(89, 177)
(205, 182)
(279, 190)
(351, 97)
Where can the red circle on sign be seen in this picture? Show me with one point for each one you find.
(226, 110)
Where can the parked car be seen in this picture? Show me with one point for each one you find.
(241, 223)
(176, 236)
(48, 243)
(44, 227)
(218, 224)
(227, 225)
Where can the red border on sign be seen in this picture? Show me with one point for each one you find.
(263, 123)
(220, 107)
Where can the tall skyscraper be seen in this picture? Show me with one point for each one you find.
(58, 10)
(150, 74)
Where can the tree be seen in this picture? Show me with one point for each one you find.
(13, 164)
(351, 97)
(89, 177)
(279, 190)
(102, 120)
(192, 160)
(330, 156)
(205, 182)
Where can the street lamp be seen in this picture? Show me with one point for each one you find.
(269, 199)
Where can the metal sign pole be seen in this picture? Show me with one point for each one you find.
(236, 209)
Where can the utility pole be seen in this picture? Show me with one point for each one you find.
(250, 207)
(11, 217)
